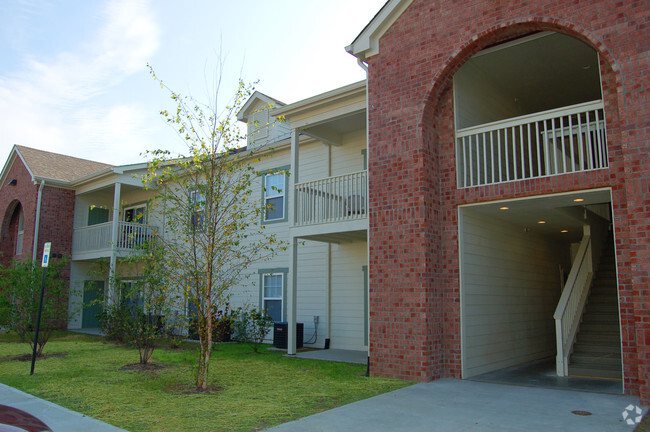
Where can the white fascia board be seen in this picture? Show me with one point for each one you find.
(367, 43)
(317, 102)
(242, 115)
(8, 164)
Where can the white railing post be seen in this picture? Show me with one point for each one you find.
(554, 135)
(333, 199)
(572, 302)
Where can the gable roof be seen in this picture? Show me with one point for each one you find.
(367, 43)
(44, 165)
(242, 115)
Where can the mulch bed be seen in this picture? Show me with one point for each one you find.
(149, 367)
(189, 389)
(28, 357)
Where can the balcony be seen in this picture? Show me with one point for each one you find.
(96, 240)
(332, 205)
(559, 141)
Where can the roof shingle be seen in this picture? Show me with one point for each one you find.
(56, 166)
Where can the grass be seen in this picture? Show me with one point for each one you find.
(258, 390)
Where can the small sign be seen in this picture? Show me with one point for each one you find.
(46, 254)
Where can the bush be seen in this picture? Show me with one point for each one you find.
(251, 326)
(20, 287)
(113, 322)
(222, 324)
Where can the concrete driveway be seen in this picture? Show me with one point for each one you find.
(456, 405)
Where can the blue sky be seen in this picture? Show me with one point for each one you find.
(73, 76)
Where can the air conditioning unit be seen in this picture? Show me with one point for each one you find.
(281, 335)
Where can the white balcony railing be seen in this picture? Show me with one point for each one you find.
(333, 199)
(98, 237)
(559, 141)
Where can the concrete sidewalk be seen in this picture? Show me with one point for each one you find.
(57, 418)
(456, 405)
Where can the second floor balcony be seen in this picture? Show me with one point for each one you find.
(97, 241)
(333, 205)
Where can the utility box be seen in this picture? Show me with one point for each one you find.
(281, 335)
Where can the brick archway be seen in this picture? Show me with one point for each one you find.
(9, 231)
(438, 139)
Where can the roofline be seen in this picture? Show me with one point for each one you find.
(323, 98)
(9, 162)
(241, 115)
(366, 44)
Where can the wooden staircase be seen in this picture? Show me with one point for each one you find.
(597, 350)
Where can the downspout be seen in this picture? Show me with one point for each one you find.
(364, 66)
(38, 220)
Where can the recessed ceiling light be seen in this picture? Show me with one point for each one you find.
(504, 208)
(564, 231)
(578, 200)
(541, 222)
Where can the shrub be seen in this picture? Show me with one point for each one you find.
(20, 286)
(222, 324)
(251, 326)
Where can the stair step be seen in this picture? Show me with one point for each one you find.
(592, 359)
(602, 298)
(598, 328)
(602, 307)
(601, 349)
(600, 318)
(598, 338)
(594, 372)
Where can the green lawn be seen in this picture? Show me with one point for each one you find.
(258, 390)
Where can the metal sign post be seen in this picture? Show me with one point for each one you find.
(44, 263)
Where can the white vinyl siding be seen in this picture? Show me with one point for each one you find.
(510, 286)
(348, 296)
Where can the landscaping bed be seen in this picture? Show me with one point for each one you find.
(247, 391)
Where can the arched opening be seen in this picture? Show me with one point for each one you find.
(528, 108)
(13, 232)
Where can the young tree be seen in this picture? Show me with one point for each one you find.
(20, 285)
(142, 308)
(212, 222)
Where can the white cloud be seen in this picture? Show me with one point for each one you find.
(65, 104)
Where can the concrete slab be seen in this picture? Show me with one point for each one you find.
(457, 405)
(336, 355)
(57, 418)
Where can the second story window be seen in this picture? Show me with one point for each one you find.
(274, 197)
(197, 200)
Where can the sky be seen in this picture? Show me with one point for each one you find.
(74, 77)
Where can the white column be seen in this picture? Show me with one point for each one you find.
(114, 233)
(292, 286)
(292, 295)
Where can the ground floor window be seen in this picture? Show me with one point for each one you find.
(273, 292)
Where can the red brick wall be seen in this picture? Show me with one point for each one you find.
(56, 219)
(414, 311)
(24, 192)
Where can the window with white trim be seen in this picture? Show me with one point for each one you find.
(274, 196)
(272, 287)
(197, 200)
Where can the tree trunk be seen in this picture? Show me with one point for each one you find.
(205, 344)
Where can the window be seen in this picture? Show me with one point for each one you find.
(274, 197)
(97, 215)
(21, 232)
(135, 214)
(197, 200)
(272, 290)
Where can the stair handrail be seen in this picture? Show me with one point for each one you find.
(572, 302)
